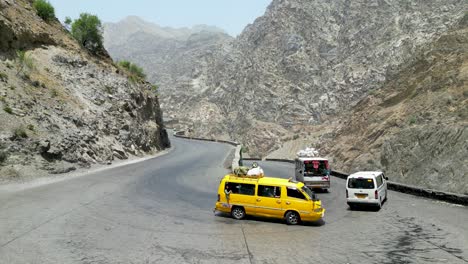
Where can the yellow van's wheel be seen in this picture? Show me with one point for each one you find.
(238, 212)
(292, 218)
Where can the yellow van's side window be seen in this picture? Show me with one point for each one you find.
(241, 188)
(295, 193)
(269, 191)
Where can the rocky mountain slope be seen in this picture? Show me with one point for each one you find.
(304, 62)
(415, 127)
(301, 74)
(62, 108)
(168, 55)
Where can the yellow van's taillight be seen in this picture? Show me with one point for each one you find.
(219, 198)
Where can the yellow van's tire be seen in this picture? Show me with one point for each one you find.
(238, 212)
(292, 218)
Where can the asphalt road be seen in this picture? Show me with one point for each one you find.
(160, 211)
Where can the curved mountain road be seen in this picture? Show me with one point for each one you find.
(160, 211)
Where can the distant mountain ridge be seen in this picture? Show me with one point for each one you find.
(167, 55)
(115, 33)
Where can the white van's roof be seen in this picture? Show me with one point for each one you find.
(365, 174)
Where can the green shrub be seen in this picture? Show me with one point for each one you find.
(88, 31)
(465, 93)
(8, 110)
(133, 69)
(44, 9)
(68, 21)
(412, 120)
(125, 64)
(373, 92)
(244, 149)
(3, 77)
(24, 61)
(155, 88)
(464, 20)
(54, 93)
(20, 132)
(108, 89)
(3, 156)
(136, 73)
(295, 137)
(31, 127)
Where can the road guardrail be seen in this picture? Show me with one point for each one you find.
(394, 186)
(400, 187)
(236, 161)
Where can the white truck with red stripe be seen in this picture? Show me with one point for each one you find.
(314, 172)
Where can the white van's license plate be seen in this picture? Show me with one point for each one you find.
(361, 196)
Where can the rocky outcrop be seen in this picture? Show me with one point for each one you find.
(414, 127)
(65, 109)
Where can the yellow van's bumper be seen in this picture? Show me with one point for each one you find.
(315, 215)
(222, 207)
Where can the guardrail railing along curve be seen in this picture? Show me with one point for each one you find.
(395, 186)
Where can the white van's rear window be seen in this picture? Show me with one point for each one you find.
(360, 183)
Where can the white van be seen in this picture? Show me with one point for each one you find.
(366, 187)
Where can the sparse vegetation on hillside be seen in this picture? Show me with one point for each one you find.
(8, 110)
(88, 31)
(68, 21)
(20, 132)
(24, 61)
(135, 72)
(3, 156)
(412, 120)
(44, 9)
(155, 88)
(3, 77)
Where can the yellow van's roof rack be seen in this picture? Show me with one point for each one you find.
(242, 172)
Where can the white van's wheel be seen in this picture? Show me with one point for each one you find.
(238, 212)
(379, 205)
(292, 218)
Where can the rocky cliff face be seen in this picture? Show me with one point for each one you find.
(304, 62)
(414, 127)
(62, 108)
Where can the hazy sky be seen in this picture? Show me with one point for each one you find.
(230, 15)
